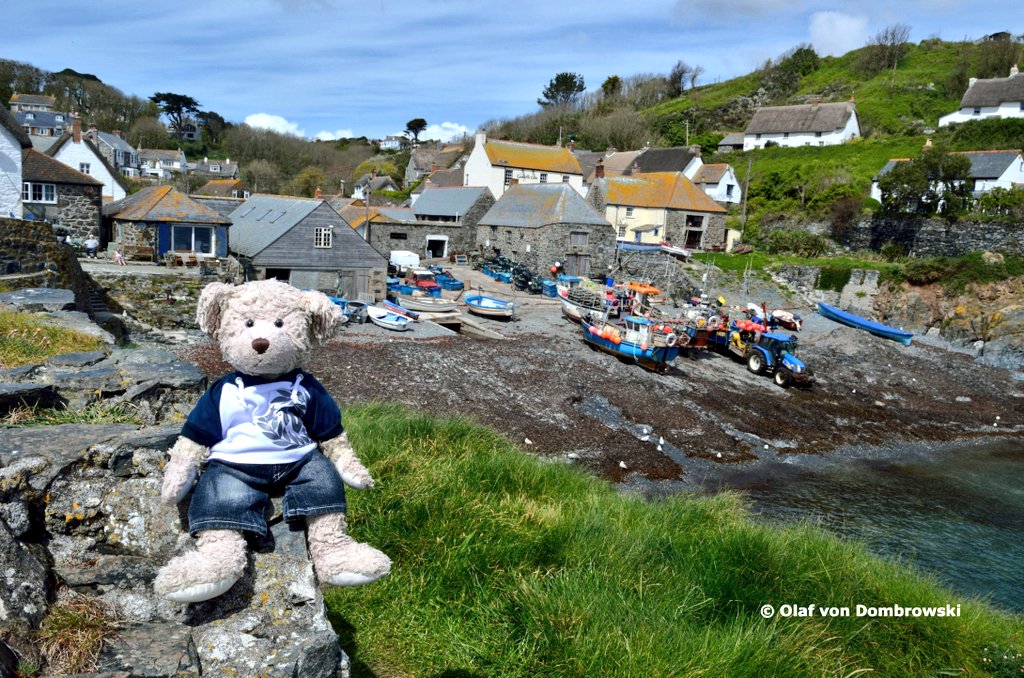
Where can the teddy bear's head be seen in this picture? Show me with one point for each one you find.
(266, 327)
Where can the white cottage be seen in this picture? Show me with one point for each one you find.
(80, 154)
(989, 169)
(990, 98)
(804, 125)
(719, 181)
(500, 164)
(12, 141)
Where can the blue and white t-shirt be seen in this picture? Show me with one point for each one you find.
(247, 419)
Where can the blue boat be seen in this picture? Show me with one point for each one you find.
(878, 329)
(395, 308)
(640, 340)
(490, 307)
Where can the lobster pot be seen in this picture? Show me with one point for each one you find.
(549, 288)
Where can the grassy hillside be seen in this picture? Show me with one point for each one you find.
(510, 566)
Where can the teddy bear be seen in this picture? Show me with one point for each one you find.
(267, 428)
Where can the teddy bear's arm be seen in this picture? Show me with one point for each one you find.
(352, 471)
(182, 469)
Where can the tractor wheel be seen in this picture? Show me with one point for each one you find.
(755, 363)
(783, 379)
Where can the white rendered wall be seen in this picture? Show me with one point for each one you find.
(72, 155)
(10, 175)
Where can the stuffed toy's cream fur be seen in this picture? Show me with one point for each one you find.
(265, 330)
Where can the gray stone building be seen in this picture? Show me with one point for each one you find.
(443, 222)
(52, 191)
(541, 224)
(304, 242)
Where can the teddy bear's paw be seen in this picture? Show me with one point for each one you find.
(201, 592)
(205, 573)
(350, 564)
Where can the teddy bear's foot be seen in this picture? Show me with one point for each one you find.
(209, 571)
(338, 558)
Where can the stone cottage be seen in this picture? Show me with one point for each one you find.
(442, 222)
(53, 192)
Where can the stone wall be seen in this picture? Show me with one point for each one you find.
(28, 247)
(78, 209)
(539, 248)
(935, 237)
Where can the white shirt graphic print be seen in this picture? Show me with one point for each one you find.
(262, 424)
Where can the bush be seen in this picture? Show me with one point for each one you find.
(892, 251)
(834, 278)
(800, 243)
(926, 271)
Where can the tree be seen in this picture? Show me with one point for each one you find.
(885, 50)
(213, 126)
(678, 77)
(611, 88)
(147, 133)
(262, 176)
(695, 74)
(177, 107)
(415, 127)
(562, 91)
(936, 181)
(306, 182)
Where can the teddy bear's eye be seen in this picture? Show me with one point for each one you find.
(249, 323)
(278, 323)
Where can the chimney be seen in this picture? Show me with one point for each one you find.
(481, 138)
(205, 160)
(1013, 70)
(928, 144)
(76, 129)
(970, 83)
(571, 146)
(318, 193)
(434, 167)
(117, 133)
(373, 173)
(599, 171)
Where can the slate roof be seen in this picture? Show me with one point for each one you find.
(41, 143)
(536, 205)
(36, 166)
(449, 202)
(445, 178)
(801, 118)
(588, 161)
(731, 139)
(223, 206)
(115, 142)
(162, 203)
(994, 91)
(531, 156)
(221, 187)
(159, 154)
(34, 99)
(984, 164)
(42, 118)
(394, 214)
(711, 174)
(8, 122)
(424, 157)
(262, 219)
(69, 138)
(668, 190)
(379, 183)
(662, 159)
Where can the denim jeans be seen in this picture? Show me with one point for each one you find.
(234, 496)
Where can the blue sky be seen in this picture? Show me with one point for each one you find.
(334, 68)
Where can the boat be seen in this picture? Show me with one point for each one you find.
(395, 308)
(674, 250)
(878, 329)
(490, 307)
(786, 319)
(649, 344)
(425, 303)
(579, 303)
(389, 320)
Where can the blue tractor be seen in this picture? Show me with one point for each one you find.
(770, 353)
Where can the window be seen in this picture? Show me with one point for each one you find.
(30, 116)
(323, 237)
(59, 118)
(83, 167)
(399, 236)
(543, 177)
(508, 177)
(977, 110)
(817, 134)
(214, 168)
(757, 136)
(579, 238)
(622, 232)
(565, 178)
(32, 192)
(785, 135)
(195, 238)
(629, 212)
(728, 190)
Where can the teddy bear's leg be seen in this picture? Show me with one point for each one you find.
(213, 568)
(338, 558)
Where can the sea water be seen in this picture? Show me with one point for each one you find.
(956, 512)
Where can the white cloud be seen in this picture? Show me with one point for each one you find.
(274, 123)
(336, 134)
(836, 33)
(446, 131)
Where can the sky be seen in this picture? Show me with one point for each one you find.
(340, 68)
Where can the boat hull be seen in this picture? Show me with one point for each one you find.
(878, 329)
(576, 312)
(428, 304)
(490, 307)
(387, 319)
(652, 357)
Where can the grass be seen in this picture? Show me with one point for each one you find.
(510, 566)
(94, 413)
(25, 340)
(73, 634)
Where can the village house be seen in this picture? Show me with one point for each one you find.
(442, 222)
(31, 102)
(497, 164)
(303, 241)
(217, 169)
(393, 142)
(161, 219)
(428, 159)
(35, 114)
(449, 178)
(814, 124)
(733, 141)
(990, 98)
(190, 131)
(53, 192)
(719, 181)
(541, 224)
(78, 153)
(117, 152)
(13, 141)
(370, 183)
(661, 207)
(989, 169)
(224, 188)
(162, 164)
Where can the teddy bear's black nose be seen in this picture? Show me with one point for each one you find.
(260, 345)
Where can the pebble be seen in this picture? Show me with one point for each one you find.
(718, 454)
(572, 455)
(622, 464)
(528, 441)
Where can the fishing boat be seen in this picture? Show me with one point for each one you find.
(674, 250)
(878, 329)
(579, 303)
(395, 308)
(649, 344)
(490, 307)
(787, 319)
(389, 320)
(425, 303)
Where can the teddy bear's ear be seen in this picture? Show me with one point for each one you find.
(208, 311)
(324, 316)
